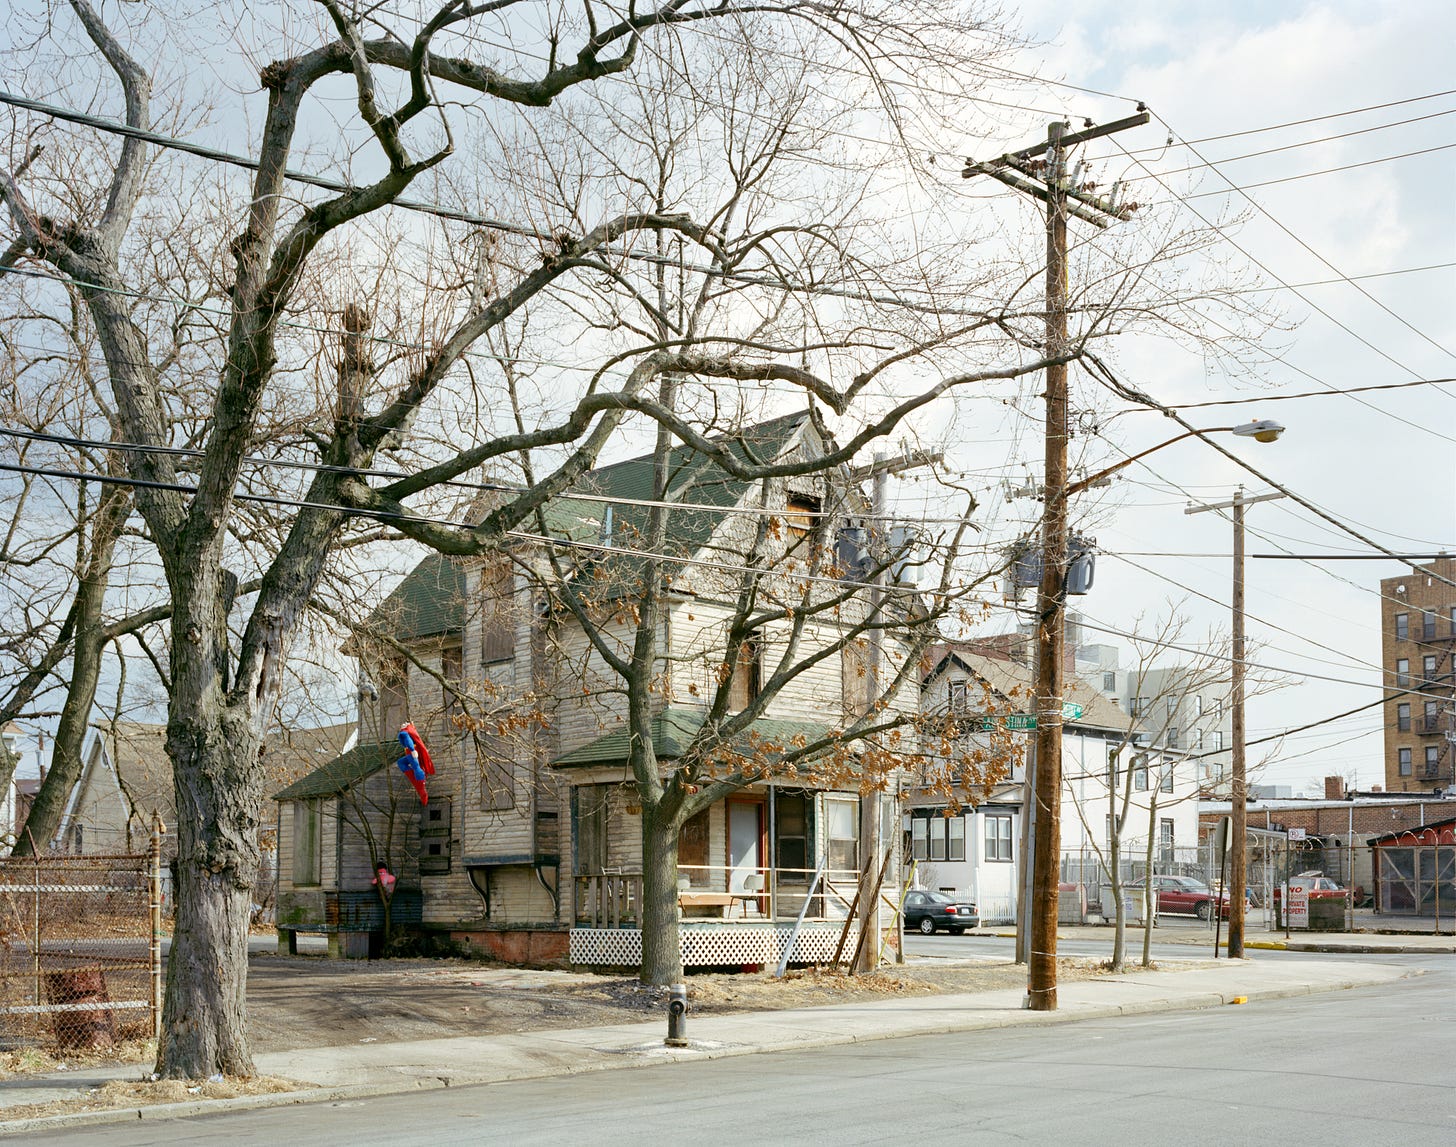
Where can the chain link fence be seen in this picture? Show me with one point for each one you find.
(80, 950)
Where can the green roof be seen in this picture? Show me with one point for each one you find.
(693, 477)
(431, 599)
(343, 771)
(673, 731)
(429, 602)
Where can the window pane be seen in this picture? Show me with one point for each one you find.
(1402, 626)
(937, 838)
(955, 847)
(920, 835)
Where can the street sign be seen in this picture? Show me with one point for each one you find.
(1026, 722)
(1296, 834)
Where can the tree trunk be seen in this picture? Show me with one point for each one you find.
(1119, 930)
(90, 639)
(661, 935)
(218, 780)
(1150, 893)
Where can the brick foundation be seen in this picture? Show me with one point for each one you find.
(528, 947)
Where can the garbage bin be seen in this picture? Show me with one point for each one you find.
(1132, 906)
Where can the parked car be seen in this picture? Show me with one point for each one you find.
(1181, 894)
(1320, 886)
(932, 911)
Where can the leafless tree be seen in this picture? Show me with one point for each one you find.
(343, 321)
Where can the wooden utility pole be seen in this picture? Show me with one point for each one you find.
(866, 956)
(1239, 861)
(1062, 199)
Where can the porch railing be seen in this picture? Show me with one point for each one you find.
(711, 892)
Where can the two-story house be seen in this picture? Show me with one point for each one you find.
(531, 845)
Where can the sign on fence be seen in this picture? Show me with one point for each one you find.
(1298, 907)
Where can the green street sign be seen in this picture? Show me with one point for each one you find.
(1026, 722)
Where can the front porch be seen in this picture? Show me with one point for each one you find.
(727, 916)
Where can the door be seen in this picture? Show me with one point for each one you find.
(745, 842)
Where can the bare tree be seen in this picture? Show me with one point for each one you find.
(345, 321)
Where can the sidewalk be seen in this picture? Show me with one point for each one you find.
(1180, 930)
(384, 1068)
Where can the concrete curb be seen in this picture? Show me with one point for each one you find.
(608, 1059)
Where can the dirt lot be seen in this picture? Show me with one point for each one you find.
(308, 1002)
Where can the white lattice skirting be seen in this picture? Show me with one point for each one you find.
(622, 947)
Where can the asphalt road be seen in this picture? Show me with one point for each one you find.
(1355, 1067)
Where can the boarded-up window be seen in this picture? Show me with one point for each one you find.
(591, 829)
(692, 849)
(801, 514)
(393, 694)
(497, 616)
(434, 829)
(497, 774)
(452, 671)
(747, 677)
(306, 843)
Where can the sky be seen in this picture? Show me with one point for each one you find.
(1382, 462)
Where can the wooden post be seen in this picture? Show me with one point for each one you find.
(862, 950)
(1051, 602)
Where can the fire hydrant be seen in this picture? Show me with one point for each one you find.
(677, 1016)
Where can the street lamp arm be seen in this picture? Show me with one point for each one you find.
(1085, 483)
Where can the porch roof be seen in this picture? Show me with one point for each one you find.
(343, 771)
(673, 731)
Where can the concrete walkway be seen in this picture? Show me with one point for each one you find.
(384, 1068)
(1179, 930)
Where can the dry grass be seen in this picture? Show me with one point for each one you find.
(39, 1061)
(145, 1093)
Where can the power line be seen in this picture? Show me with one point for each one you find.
(1303, 143)
(1324, 171)
(1268, 215)
(461, 216)
(1309, 120)
(1313, 393)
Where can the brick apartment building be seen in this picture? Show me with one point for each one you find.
(1418, 653)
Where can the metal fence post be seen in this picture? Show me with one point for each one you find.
(154, 861)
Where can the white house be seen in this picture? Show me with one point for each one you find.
(978, 849)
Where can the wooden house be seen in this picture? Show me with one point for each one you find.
(535, 852)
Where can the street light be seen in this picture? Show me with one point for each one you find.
(1264, 430)
(1041, 990)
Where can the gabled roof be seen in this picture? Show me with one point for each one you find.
(1005, 677)
(344, 771)
(673, 731)
(430, 602)
(138, 751)
(693, 477)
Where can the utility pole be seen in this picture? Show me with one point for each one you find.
(1053, 187)
(1238, 868)
(871, 815)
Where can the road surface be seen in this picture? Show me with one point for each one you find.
(1354, 1067)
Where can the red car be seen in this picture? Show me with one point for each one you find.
(1181, 894)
